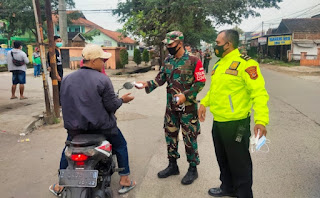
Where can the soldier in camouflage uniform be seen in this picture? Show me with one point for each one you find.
(185, 78)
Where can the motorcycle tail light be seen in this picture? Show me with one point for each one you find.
(79, 157)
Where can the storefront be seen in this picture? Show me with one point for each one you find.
(278, 46)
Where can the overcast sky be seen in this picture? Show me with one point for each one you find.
(271, 17)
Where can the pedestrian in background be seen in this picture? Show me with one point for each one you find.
(198, 54)
(58, 43)
(187, 46)
(36, 60)
(17, 60)
(201, 55)
(237, 85)
(185, 79)
(207, 58)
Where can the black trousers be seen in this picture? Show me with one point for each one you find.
(231, 143)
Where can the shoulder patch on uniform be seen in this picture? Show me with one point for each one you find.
(245, 57)
(252, 71)
(234, 65)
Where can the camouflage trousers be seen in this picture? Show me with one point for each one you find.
(190, 126)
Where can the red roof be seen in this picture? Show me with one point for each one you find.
(117, 36)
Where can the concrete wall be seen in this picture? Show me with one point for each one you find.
(314, 62)
(311, 51)
(305, 42)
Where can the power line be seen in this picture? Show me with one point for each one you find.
(303, 10)
(307, 11)
(280, 18)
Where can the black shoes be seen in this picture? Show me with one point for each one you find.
(191, 175)
(172, 169)
(218, 192)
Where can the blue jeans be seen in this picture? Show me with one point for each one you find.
(119, 147)
(18, 77)
(36, 70)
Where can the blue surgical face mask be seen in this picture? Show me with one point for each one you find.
(256, 143)
(260, 142)
(59, 44)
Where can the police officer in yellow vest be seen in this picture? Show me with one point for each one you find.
(236, 85)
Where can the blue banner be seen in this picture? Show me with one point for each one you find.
(3, 55)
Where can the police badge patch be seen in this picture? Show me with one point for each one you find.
(252, 71)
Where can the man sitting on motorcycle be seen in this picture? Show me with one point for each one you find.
(88, 105)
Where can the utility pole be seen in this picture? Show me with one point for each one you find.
(63, 22)
(262, 29)
(37, 15)
(53, 63)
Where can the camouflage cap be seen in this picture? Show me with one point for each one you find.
(173, 36)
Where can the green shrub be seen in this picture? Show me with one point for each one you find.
(124, 57)
(137, 56)
(119, 65)
(145, 56)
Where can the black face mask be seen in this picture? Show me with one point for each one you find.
(173, 50)
(218, 50)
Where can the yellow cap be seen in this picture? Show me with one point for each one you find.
(91, 52)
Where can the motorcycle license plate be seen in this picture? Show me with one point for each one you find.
(78, 178)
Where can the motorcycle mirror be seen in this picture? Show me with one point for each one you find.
(128, 85)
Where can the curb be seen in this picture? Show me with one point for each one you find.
(38, 122)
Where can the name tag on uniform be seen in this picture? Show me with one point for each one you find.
(232, 72)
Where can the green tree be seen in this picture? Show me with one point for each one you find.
(124, 57)
(152, 19)
(239, 30)
(145, 56)
(89, 35)
(19, 16)
(137, 56)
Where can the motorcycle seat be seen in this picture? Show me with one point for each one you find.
(87, 140)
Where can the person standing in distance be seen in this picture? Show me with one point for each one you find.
(18, 71)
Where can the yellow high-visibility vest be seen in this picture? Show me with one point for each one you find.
(236, 86)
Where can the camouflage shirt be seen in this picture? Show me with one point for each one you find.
(184, 75)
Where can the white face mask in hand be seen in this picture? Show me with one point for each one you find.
(256, 143)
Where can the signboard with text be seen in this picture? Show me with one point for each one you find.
(262, 40)
(279, 40)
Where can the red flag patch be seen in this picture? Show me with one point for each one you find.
(252, 71)
(199, 74)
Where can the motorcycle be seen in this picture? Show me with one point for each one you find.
(90, 165)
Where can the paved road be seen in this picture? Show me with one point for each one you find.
(290, 169)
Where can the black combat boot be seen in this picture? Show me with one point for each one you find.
(191, 175)
(172, 169)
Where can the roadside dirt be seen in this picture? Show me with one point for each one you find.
(295, 71)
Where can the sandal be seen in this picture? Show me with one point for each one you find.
(23, 98)
(125, 189)
(13, 98)
(56, 193)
